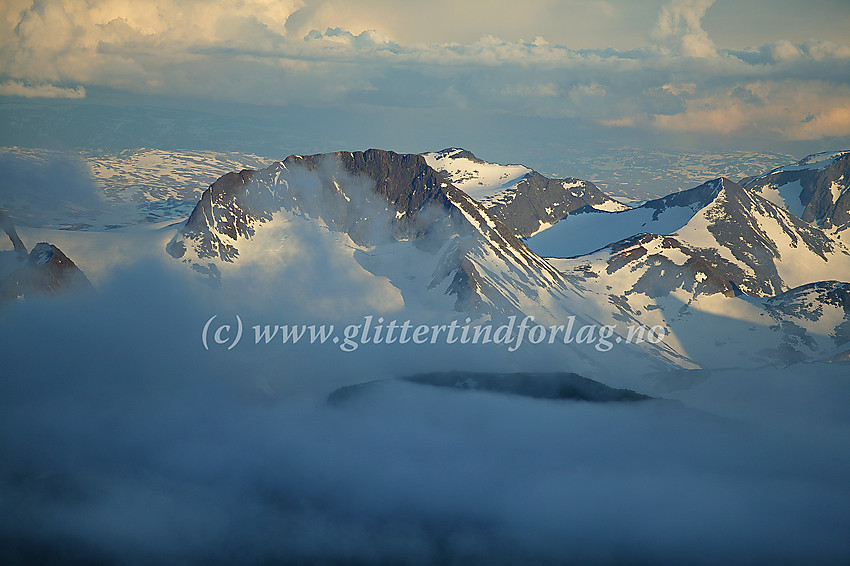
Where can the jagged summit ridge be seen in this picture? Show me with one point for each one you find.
(819, 160)
(456, 153)
(520, 197)
(375, 198)
(588, 229)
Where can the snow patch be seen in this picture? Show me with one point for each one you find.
(481, 180)
(611, 205)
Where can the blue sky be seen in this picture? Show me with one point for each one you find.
(511, 78)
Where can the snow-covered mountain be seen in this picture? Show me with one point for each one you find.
(390, 210)
(441, 233)
(654, 280)
(716, 260)
(727, 271)
(745, 239)
(816, 189)
(521, 198)
(102, 190)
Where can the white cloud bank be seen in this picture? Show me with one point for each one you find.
(265, 52)
(123, 441)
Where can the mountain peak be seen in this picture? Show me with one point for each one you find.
(521, 198)
(695, 198)
(46, 270)
(822, 159)
(441, 230)
(375, 198)
(457, 153)
(816, 189)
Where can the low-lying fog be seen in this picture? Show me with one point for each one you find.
(123, 441)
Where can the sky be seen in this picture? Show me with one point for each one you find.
(536, 78)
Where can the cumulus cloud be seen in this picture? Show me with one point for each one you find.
(366, 39)
(816, 111)
(123, 441)
(321, 53)
(785, 51)
(445, 21)
(680, 30)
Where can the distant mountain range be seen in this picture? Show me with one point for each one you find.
(738, 274)
(724, 268)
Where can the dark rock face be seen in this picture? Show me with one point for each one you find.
(398, 187)
(734, 226)
(534, 201)
(46, 270)
(818, 190)
(556, 386)
(220, 207)
(541, 200)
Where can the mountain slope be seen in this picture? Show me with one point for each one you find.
(588, 229)
(745, 239)
(396, 240)
(45, 270)
(732, 277)
(658, 281)
(816, 189)
(521, 198)
(378, 200)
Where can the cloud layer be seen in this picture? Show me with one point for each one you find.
(280, 53)
(123, 441)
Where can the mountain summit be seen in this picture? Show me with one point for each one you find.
(816, 189)
(521, 198)
(376, 199)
